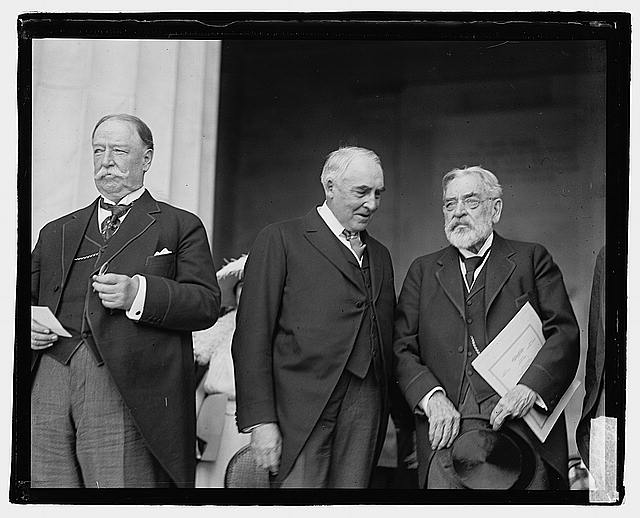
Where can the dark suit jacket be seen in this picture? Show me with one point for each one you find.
(594, 367)
(300, 311)
(429, 328)
(151, 361)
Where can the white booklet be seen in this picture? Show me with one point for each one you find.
(503, 362)
(44, 317)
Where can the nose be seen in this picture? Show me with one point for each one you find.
(372, 202)
(460, 208)
(107, 157)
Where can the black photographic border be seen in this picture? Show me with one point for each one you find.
(613, 28)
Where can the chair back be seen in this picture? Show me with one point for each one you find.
(243, 472)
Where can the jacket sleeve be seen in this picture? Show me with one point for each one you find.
(256, 325)
(555, 365)
(191, 300)
(414, 378)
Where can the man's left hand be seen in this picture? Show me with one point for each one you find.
(515, 403)
(116, 291)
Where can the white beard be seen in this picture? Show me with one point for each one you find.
(469, 235)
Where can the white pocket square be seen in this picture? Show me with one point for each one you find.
(164, 251)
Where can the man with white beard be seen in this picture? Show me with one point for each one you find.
(453, 303)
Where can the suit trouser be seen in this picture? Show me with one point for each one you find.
(82, 433)
(440, 478)
(339, 453)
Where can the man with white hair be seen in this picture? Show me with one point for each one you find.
(312, 347)
(452, 304)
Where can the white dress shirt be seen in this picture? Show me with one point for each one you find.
(336, 228)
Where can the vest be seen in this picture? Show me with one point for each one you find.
(367, 344)
(475, 324)
(71, 311)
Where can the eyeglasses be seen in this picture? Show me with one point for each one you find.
(468, 203)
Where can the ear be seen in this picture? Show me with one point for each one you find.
(147, 159)
(496, 211)
(328, 188)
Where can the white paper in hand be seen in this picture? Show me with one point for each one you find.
(504, 361)
(44, 317)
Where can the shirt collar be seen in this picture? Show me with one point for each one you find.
(132, 196)
(330, 219)
(468, 253)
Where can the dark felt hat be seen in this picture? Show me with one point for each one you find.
(481, 458)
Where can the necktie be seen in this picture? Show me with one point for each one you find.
(355, 242)
(111, 224)
(471, 264)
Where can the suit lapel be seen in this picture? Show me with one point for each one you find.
(73, 232)
(375, 265)
(321, 237)
(449, 277)
(135, 224)
(499, 268)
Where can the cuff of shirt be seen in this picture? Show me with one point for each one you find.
(252, 428)
(136, 309)
(540, 402)
(423, 402)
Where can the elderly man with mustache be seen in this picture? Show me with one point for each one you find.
(452, 304)
(130, 278)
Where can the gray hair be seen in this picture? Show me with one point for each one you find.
(489, 180)
(141, 128)
(338, 161)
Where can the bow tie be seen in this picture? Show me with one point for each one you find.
(116, 210)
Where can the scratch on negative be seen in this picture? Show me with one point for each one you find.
(165, 402)
(498, 45)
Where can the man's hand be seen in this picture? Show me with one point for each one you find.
(515, 403)
(41, 337)
(444, 421)
(266, 445)
(116, 291)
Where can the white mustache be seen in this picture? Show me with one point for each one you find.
(113, 171)
(454, 224)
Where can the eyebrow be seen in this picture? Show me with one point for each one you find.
(368, 188)
(464, 196)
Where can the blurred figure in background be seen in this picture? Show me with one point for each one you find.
(218, 436)
(594, 399)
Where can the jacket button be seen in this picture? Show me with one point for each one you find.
(359, 304)
(469, 320)
(470, 353)
(469, 372)
(460, 349)
(56, 288)
(469, 302)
